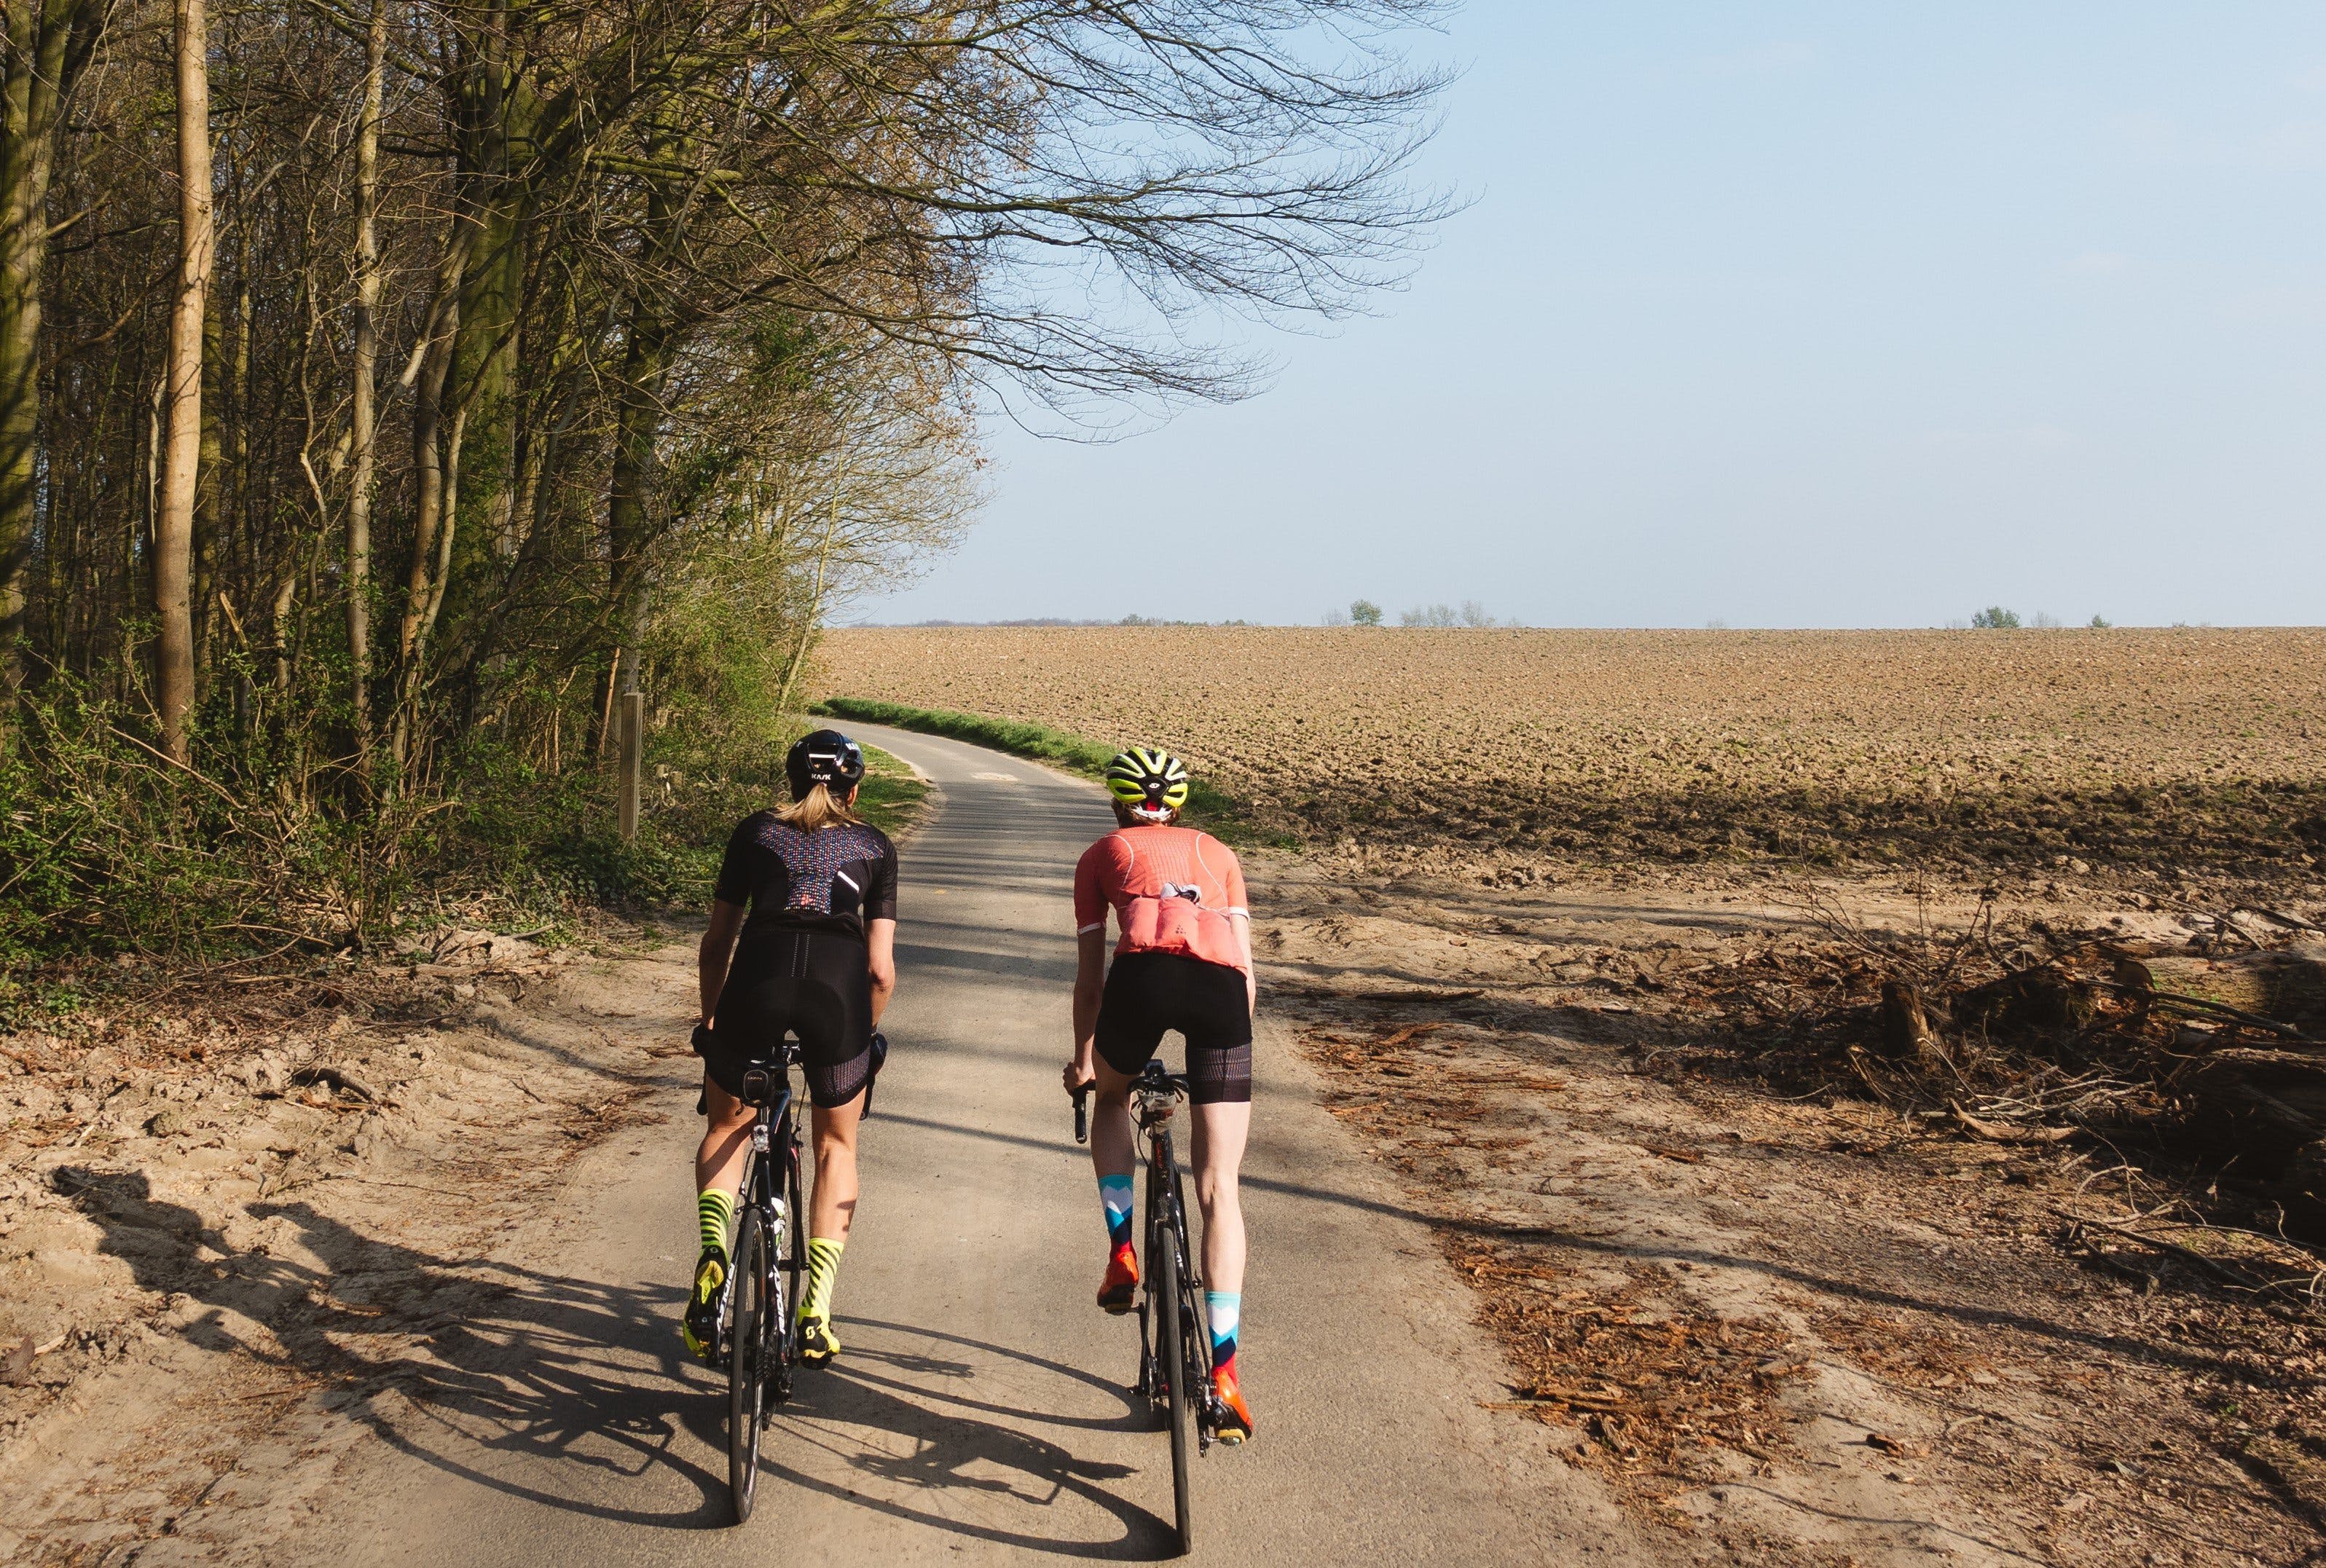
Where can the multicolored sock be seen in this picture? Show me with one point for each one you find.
(1114, 1193)
(1225, 1309)
(715, 1210)
(823, 1269)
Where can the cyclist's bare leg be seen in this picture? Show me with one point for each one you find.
(833, 1204)
(717, 1172)
(1115, 1149)
(726, 1133)
(1216, 1152)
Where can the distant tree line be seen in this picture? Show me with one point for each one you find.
(1364, 612)
(386, 385)
(1995, 618)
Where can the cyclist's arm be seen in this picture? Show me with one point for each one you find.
(718, 947)
(1240, 920)
(1243, 924)
(1090, 987)
(880, 958)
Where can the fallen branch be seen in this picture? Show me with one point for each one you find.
(1997, 1132)
(2219, 1270)
(2199, 1004)
(336, 1078)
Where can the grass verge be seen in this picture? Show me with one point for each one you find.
(891, 795)
(1208, 808)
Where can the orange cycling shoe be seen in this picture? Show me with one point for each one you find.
(1121, 1282)
(1230, 1414)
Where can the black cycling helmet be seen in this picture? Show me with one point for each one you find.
(828, 758)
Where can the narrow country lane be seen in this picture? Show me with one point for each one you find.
(979, 1412)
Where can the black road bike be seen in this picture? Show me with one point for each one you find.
(1175, 1341)
(757, 1341)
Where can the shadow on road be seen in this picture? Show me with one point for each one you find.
(876, 1394)
(571, 1394)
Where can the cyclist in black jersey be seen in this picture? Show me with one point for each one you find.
(817, 958)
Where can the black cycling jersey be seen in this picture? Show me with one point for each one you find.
(833, 879)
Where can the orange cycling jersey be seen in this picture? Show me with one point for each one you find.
(1172, 890)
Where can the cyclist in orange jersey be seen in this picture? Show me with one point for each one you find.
(1183, 962)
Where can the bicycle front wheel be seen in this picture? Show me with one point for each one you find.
(746, 1369)
(1171, 1330)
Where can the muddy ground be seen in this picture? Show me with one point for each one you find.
(1785, 1327)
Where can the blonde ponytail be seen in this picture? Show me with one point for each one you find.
(820, 809)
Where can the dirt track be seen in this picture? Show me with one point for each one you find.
(239, 1214)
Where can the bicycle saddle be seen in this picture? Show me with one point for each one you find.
(764, 1075)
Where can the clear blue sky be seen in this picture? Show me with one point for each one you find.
(1780, 315)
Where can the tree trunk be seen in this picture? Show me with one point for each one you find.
(815, 595)
(629, 516)
(30, 99)
(431, 503)
(366, 415)
(173, 522)
(497, 115)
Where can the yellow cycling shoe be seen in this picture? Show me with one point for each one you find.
(700, 1329)
(817, 1342)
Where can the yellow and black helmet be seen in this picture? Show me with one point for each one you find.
(1149, 781)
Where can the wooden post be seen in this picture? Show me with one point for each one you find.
(634, 736)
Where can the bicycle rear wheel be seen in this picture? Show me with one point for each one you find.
(793, 1264)
(1171, 1330)
(747, 1368)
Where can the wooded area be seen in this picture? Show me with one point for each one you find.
(384, 387)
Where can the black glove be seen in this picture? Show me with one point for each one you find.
(701, 1039)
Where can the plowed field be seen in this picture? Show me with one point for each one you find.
(2179, 752)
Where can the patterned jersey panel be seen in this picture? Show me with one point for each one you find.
(833, 879)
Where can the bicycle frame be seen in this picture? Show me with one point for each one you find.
(771, 1170)
(1155, 1096)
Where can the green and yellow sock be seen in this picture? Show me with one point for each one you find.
(715, 1210)
(818, 1344)
(822, 1270)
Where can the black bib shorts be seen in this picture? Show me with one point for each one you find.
(1149, 993)
(811, 984)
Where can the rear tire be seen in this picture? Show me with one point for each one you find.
(1171, 1347)
(794, 1265)
(746, 1361)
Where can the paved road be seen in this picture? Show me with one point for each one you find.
(980, 1412)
